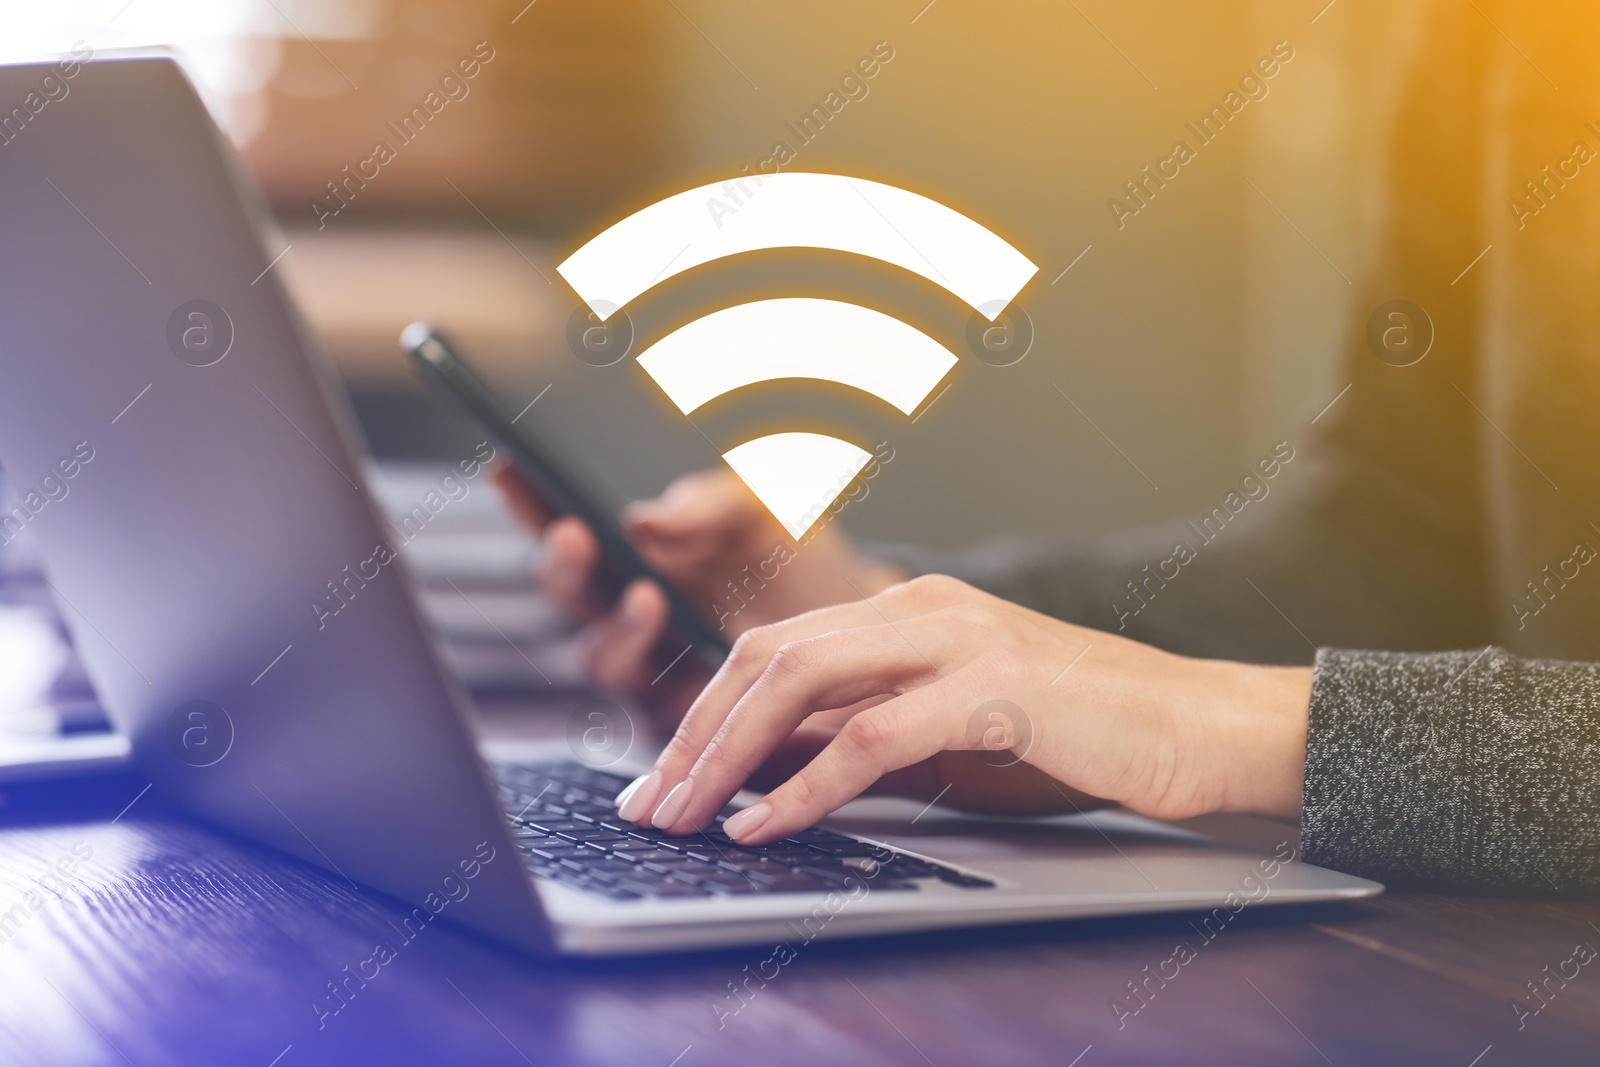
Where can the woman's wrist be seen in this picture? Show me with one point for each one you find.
(1265, 713)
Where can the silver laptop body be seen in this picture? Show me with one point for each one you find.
(191, 473)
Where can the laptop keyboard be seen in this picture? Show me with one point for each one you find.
(565, 824)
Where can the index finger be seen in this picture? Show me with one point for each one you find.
(834, 670)
(750, 656)
(519, 495)
(889, 737)
(707, 506)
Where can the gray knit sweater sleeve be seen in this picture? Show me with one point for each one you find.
(1463, 769)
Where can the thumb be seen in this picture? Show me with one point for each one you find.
(704, 506)
(519, 495)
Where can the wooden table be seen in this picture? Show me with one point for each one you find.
(165, 942)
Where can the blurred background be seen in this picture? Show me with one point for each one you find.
(1174, 352)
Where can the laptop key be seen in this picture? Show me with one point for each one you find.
(524, 830)
(629, 858)
(551, 841)
(799, 857)
(650, 834)
(658, 855)
(676, 844)
(837, 876)
(633, 845)
(676, 865)
(682, 877)
(700, 855)
(592, 833)
(815, 836)
(544, 853)
(846, 848)
(588, 885)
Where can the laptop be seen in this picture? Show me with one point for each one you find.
(192, 476)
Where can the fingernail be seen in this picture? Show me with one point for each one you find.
(748, 821)
(673, 807)
(628, 790)
(634, 801)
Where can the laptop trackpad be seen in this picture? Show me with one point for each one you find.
(1104, 851)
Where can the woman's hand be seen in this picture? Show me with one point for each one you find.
(713, 540)
(963, 677)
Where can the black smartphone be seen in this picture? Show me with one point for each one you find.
(441, 367)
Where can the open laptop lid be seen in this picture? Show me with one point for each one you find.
(191, 477)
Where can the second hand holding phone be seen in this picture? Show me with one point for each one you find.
(563, 494)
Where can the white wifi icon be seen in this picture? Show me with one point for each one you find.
(798, 475)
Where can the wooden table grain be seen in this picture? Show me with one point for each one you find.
(130, 934)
